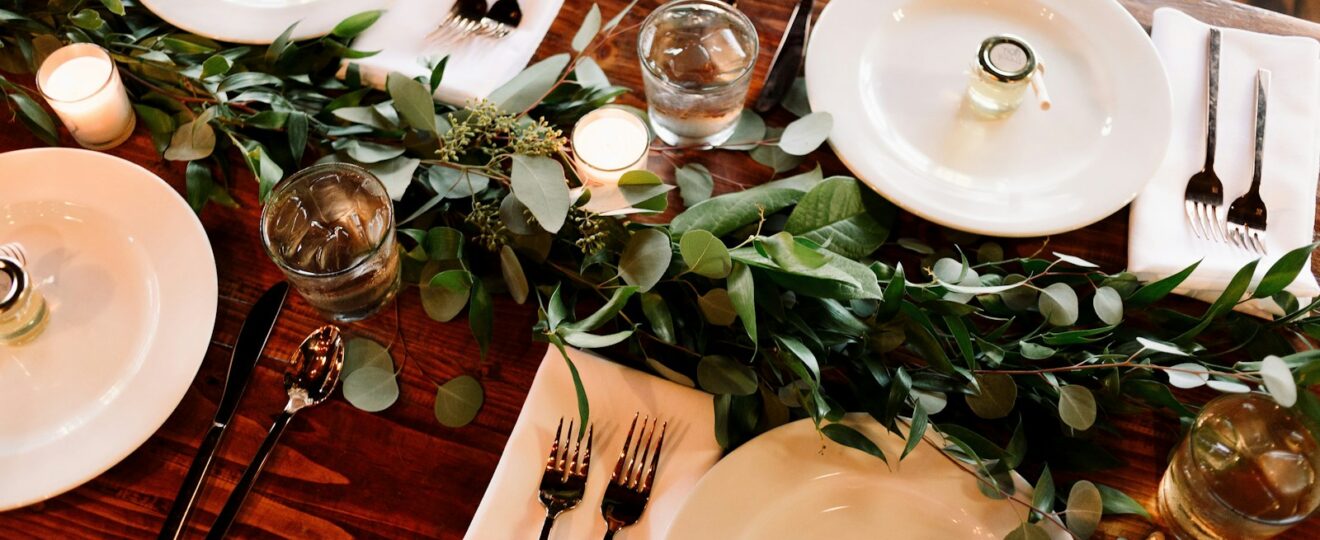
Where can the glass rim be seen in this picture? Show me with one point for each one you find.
(646, 148)
(71, 48)
(1196, 458)
(718, 5)
(302, 174)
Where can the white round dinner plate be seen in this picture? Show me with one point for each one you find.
(793, 484)
(259, 22)
(130, 281)
(894, 73)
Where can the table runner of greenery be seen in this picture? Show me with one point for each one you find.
(774, 298)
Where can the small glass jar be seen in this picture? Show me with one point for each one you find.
(1002, 73)
(608, 143)
(23, 313)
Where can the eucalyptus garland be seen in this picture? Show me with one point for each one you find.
(786, 300)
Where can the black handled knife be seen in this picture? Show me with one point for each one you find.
(787, 62)
(251, 340)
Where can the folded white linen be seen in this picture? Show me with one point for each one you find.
(1160, 241)
(510, 508)
(476, 65)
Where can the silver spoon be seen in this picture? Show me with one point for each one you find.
(309, 380)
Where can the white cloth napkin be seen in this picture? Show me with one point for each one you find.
(476, 65)
(510, 508)
(1161, 242)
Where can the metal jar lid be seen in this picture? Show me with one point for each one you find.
(18, 282)
(1007, 57)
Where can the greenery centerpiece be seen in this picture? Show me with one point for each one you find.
(786, 300)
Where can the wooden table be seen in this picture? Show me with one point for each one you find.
(341, 472)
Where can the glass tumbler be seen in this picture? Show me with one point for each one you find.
(697, 58)
(330, 229)
(1246, 470)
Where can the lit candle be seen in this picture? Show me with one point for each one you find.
(609, 142)
(81, 83)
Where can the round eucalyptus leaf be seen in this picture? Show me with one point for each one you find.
(371, 389)
(720, 374)
(1018, 298)
(806, 134)
(1084, 509)
(646, 258)
(933, 401)
(362, 353)
(705, 254)
(1108, 305)
(514, 216)
(1228, 387)
(717, 307)
(1279, 380)
(442, 303)
(458, 401)
(1058, 303)
(1077, 407)
(995, 397)
(990, 252)
(949, 270)
(539, 183)
(749, 131)
(1188, 375)
(1028, 531)
(1033, 351)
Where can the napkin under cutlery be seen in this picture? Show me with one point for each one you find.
(510, 508)
(1160, 242)
(476, 66)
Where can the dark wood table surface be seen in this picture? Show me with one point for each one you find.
(341, 472)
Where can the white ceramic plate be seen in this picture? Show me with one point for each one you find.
(130, 280)
(259, 21)
(792, 484)
(894, 72)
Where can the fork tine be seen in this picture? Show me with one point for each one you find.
(563, 460)
(623, 454)
(554, 447)
(1258, 240)
(571, 463)
(1193, 223)
(638, 473)
(655, 461)
(583, 466)
(1210, 221)
(1219, 213)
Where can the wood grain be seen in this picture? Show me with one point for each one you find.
(345, 473)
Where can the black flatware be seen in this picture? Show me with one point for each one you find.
(251, 340)
(788, 58)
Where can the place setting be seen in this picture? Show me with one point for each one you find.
(686, 269)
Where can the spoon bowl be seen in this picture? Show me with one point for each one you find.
(314, 371)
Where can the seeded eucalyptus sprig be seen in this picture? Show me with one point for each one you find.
(786, 300)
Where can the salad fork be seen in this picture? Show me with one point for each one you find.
(1247, 215)
(1205, 193)
(471, 17)
(565, 477)
(630, 485)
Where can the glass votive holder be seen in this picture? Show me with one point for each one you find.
(330, 229)
(82, 85)
(23, 311)
(609, 142)
(1006, 66)
(1247, 470)
(697, 58)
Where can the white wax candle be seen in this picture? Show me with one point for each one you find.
(82, 85)
(609, 142)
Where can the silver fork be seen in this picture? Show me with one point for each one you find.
(565, 478)
(1204, 197)
(1247, 215)
(630, 486)
(471, 17)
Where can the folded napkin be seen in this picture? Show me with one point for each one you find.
(510, 508)
(476, 65)
(1161, 242)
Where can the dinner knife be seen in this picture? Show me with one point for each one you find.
(787, 62)
(251, 340)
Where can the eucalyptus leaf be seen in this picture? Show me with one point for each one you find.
(1117, 502)
(695, 183)
(371, 389)
(995, 396)
(215, 65)
(481, 315)
(723, 375)
(646, 258)
(775, 158)
(1075, 261)
(526, 89)
(458, 401)
(916, 429)
(248, 79)
(1058, 303)
(513, 275)
(723, 214)
(1283, 271)
(1108, 305)
(717, 307)
(443, 304)
(584, 340)
(704, 254)
(413, 102)
(192, 141)
(1153, 292)
(1228, 387)
(539, 183)
(747, 133)
(1084, 509)
(158, 122)
(396, 174)
(1077, 407)
(590, 27)
(1159, 346)
(1042, 496)
(589, 74)
(850, 437)
(1188, 375)
(805, 134)
(742, 292)
(796, 101)
(1028, 531)
(356, 24)
(114, 6)
(1279, 381)
(657, 312)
